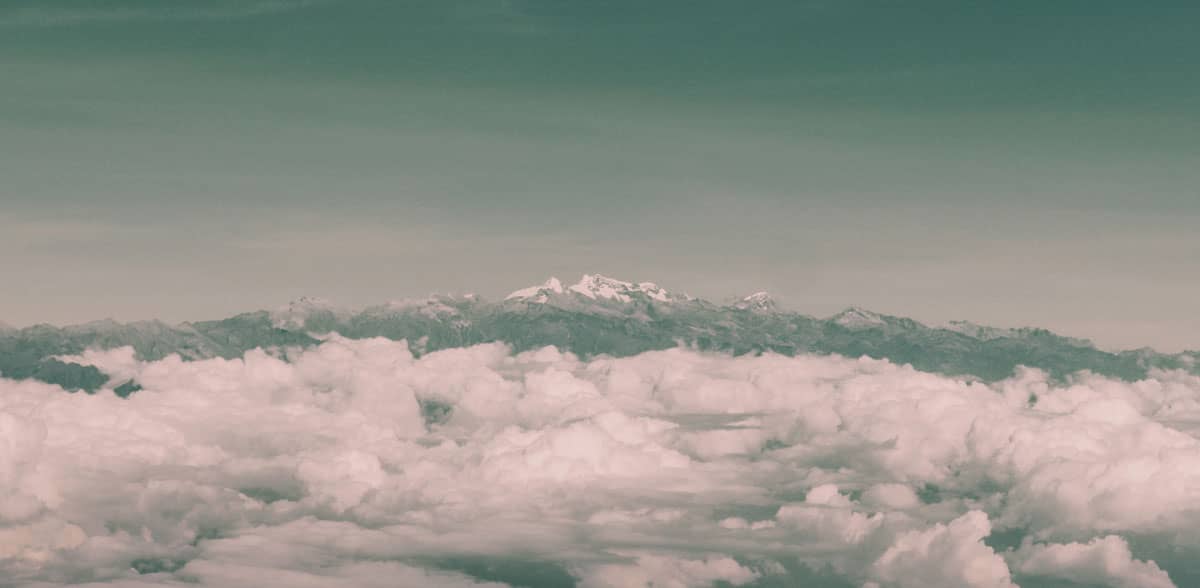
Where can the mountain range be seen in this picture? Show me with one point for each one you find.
(597, 315)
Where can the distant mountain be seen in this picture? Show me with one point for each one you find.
(757, 302)
(597, 315)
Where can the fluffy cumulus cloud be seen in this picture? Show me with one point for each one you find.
(357, 464)
(1102, 561)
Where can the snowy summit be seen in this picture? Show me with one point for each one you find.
(758, 302)
(540, 293)
(598, 286)
(595, 287)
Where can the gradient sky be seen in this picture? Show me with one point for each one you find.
(1007, 162)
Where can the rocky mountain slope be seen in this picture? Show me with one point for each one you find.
(597, 315)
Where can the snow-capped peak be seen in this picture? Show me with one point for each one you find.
(855, 317)
(758, 301)
(539, 293)
(596, 286)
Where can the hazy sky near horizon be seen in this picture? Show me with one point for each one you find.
(1010, 163)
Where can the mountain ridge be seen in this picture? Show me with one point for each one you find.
(596, 316)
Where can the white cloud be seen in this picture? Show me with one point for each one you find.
(950, 556)
(667, 572)
(673, 467)
(1104, 561)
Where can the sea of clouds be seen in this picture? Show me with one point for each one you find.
(356, 464)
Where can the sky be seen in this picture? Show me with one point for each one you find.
(1010, 163)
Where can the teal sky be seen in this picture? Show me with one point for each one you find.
(1007, 162)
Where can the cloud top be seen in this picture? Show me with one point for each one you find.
(354, 463)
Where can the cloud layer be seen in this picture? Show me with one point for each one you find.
(356, 464)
